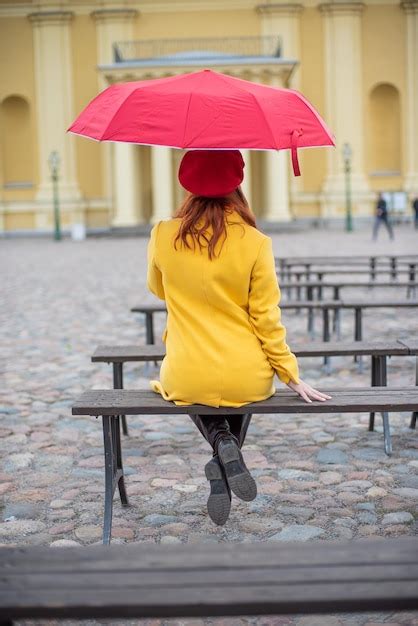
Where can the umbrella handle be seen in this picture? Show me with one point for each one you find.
(294, 147)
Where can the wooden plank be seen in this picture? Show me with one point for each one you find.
(344, 272)
(202, 581)
(151, 352)
(404, 258)
(411, 343)
(319, 283)
(308, 304)
(132, 402)
(120, 354)
(135, 557)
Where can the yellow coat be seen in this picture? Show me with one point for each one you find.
(224, 338)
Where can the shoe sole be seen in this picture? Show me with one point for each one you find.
(219, 504)
(239, 479)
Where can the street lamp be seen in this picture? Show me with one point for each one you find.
(54, 163)
(347, 154)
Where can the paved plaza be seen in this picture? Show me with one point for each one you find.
(319, 477)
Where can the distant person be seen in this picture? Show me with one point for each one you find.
(382, 217)
(415, 210)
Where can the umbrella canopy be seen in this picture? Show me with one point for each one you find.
(204, 110)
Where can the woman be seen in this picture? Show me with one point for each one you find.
(224, 338)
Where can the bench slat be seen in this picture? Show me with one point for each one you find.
(132, 402)
(307, 304)
(151, 352)
(411, 343)
(152, 556)
(202, 581)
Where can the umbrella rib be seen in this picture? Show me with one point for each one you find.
(265, 121)
(259, 107)
(186, 119)
(115, 114)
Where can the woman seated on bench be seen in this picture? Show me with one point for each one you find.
(224, 338)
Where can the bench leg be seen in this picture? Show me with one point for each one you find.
(311, 323)
(326, 338)
(415, 414)
(118, 384)
(373, 384)
(358, 335)
(149, 327)
(386, 433)
(113, 471)
(379, 373)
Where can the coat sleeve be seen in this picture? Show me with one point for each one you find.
(265, 315)
(154, 275)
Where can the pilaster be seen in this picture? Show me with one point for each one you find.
(122, 167)
(283, 21)
(54, 104)
(276, 184)
(162, 183)
(343, 97)
(247, 183)
(410, 8)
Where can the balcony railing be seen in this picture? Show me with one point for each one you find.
(192, 49)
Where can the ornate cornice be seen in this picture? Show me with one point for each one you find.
(52, 18)
(291, 8)
(342, 8)
(410, 6)
(114, 15)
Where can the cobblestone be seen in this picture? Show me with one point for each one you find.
(319, 477)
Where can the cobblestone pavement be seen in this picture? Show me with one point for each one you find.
(319, 477)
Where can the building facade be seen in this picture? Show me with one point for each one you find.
(357, 63)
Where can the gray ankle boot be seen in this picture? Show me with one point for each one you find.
(219, 501)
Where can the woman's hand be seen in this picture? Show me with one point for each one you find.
(307, 392)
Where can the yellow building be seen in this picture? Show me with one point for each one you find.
(357, 62)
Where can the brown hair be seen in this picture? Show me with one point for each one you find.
(198, 214)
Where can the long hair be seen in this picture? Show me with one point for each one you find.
(203, 220)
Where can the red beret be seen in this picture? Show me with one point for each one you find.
(211, 173)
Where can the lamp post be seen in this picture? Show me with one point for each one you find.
(347, 154)
(54, 163)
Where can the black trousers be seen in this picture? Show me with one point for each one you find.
(214, 427)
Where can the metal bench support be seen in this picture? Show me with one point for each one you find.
(118, 384)
(415, 414)
(379, 379)
(113, 471)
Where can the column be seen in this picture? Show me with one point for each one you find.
(121, 163)
(127, 185)
(411, 123)
(283, 22)
(54, 104)
(344, 106)
(162, 183)
(276, 186)
(246, 183)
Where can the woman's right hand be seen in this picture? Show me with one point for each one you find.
(307, 392)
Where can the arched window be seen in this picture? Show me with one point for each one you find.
(16, 142)
(385, 131)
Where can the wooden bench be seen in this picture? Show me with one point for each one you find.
(201, 580)
(412, 344)
(314, 289)
(325, 306)
(318, 274)
(378, 351)
(291, 264)
(110, 404)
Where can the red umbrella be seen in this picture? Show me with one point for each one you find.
(204, 110)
